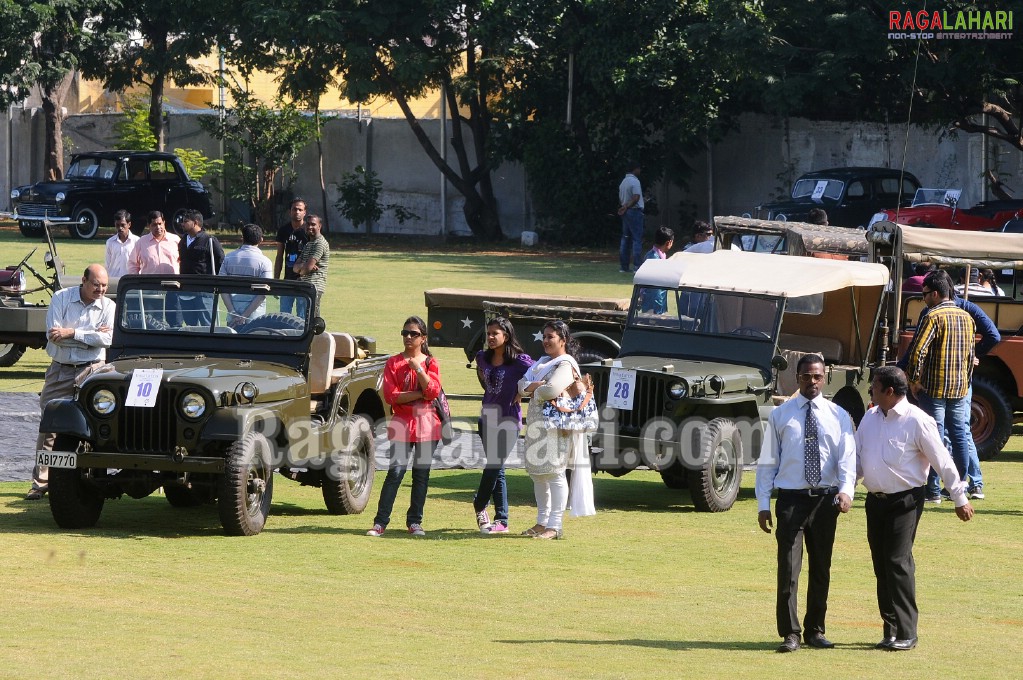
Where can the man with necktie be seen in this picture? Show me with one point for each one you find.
(809, 456)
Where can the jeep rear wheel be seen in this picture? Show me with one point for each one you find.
(84, 223)
(246, 487)
(74, 502)
(10, 353)
(990, 417)
(349, 482)
(715, 486)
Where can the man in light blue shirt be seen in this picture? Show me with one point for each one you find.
(809, 456)
(248, 260)
(630, 209)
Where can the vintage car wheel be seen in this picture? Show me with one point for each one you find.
(175, 223)
(354, 468)
(675, 477)
(10, 353)
(74, 503)
(990, 417)
(181, 496)
(246, 487)
(30, 231)
(84, 223)
(274, 321)
(716, 486)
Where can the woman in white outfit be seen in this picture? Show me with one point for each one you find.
(550, 451)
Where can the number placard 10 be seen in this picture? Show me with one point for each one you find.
(621, 389)
(145, 383)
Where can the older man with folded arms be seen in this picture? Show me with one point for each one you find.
(896, 444)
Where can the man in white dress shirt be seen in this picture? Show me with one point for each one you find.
(80, 326)
(809, 456)
(897, 443)
(120, 246)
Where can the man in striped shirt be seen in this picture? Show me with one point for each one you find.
(940, 368)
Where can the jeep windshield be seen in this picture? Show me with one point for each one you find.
(705, 313)
(92, 168)
(818, 187)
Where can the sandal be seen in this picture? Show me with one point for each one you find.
(549, 534)
(534, 530)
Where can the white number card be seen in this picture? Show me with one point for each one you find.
(818, 190)
(622, 389)
(145, 383)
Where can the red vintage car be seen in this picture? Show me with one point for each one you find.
(940, 208)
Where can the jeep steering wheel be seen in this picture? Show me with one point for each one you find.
(751, 332)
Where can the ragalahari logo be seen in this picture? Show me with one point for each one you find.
(944, 25)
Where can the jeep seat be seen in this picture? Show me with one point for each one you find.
(321, 363)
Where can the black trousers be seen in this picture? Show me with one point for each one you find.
(811, 520)
(891, 529)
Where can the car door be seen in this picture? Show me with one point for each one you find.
(857, 205)
(132, 191)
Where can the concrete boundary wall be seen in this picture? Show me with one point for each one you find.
(756, 162)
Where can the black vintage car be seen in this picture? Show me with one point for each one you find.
(100, 183)
(849, 195)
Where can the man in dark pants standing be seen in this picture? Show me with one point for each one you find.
(896, 444)
(200, 253)
(809, 456)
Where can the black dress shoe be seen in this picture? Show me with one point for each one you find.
(902, 645)
(818, 641)
(885, 643)
(790, 644)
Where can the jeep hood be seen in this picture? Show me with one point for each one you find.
(683, 368)
(274, 381)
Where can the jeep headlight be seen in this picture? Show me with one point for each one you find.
(59, 197)
(193, 405)
(104, 402)
(15, 194)
(678, 390)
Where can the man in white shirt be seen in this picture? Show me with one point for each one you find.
(120, 246)
(897, 443)
(79, 326)
(246, 261)
(809, 456)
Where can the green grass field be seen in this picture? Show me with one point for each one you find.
(645, 589)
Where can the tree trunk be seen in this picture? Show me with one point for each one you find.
(53, 113)
(156, 111)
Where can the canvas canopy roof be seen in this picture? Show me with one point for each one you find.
(816, 238)
(462, 297)
(948, 246)
(758, 273)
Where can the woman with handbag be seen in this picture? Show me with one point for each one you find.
(550, 447)
(411, 383)
(499, 368)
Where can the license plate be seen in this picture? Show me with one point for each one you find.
(57, 459)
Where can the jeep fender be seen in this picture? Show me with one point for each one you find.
(232, 423)
(65, 416)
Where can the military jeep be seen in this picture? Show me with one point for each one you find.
(694, 384)
(209, 410)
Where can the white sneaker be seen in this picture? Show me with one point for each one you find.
(377, 531)
(416, 529)
(483, 519)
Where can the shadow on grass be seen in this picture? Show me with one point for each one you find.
(124, 519)
(673, 645)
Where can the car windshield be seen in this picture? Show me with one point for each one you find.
(935, 196)
(818, 187)
(763, 243)
(705, 313)
(92, 168)
(184, 312)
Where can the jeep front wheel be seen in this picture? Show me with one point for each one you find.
(715, 486)
(246, 487)
(74, 502)
(349, 482)
(10, 353)
(990, 417)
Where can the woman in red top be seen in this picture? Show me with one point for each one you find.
(411, 383)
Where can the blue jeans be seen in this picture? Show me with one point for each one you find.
(632, 238)
(498, 442)
(297, 303)
(423, 452)
(973, 466)
(952, 417)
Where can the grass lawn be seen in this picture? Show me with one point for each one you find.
(645, 589)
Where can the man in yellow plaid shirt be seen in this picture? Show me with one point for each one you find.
(940, 368)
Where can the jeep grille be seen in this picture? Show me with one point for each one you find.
(148, 430)
(647, 403)
(38, 210)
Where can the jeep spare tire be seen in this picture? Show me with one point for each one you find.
(247, 485)
(715, 486)
(275, 321)
(990, 417)
(348, 482)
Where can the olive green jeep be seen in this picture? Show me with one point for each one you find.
(711, 347)
(209, 410)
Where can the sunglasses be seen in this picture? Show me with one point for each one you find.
(811, 377)
(410, 334)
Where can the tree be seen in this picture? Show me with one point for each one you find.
(151, 43)
(398, 50)
(43, 44)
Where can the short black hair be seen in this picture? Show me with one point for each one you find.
(941, 282)
(809, 360)
(893, 377)
(153, 216)
(122, 215)
(252, 234)
(817, 216)
(192, 216)
(663, 236)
